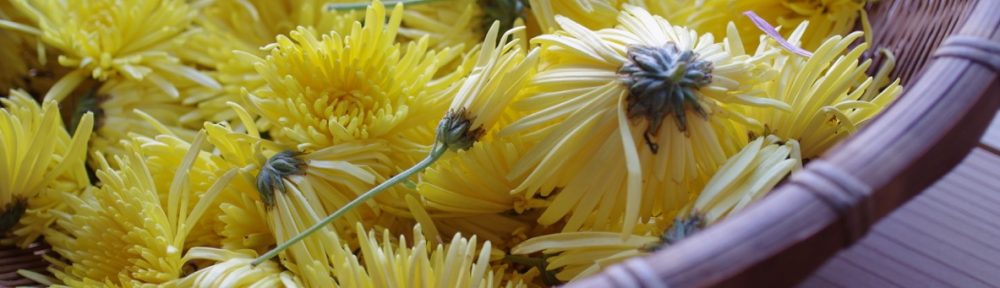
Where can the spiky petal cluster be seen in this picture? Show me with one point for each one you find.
(124, 232)
(329, 177)
(473, 182)
(575, 255)
(830, 94)
(827, 17)
(593, 14)
(747, 176)
(331, 89)
(577, 109)
(448, 24)
(233, 30)
(105, 39)
(422, 264)
(232, 269)
(502, 67)
(38, 161)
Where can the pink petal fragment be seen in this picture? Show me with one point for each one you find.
(771, 32)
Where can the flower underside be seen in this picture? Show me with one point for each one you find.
(11, 213)
(663, 81)
(455, 131)
(272, 175)
(684, 228)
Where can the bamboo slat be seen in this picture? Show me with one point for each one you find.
(945, 237)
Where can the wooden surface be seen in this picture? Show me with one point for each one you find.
(948, 236)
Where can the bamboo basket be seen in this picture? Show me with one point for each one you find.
(948, 56)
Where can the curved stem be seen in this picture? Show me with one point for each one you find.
(436, 152)
(363, 5)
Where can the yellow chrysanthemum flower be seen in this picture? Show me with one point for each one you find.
(473, 182)
(455, 23)
(503, 229)
(108, 39)
(593, 14)
(500, 68)
(323, 260)
(746, 177)
(124, 233)
(830, 94)
(449, 24)
(641, 110)
(241, 220)
(230, 30)
(333, 89)
(294, 197)
(28, 64)
(828, 17)
(580, 254)
(470, 185)
(232, 269)
(421, 264)
(162, 155)
(129, 109)
(314, 259)
(330, 176)
(38, 162)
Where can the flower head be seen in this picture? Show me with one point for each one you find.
(830, 94)
(593, 14)
(595, 88)
(38, 161)
(274, 174)
(107, 39)
(231, 34)
(128, 109)
(747, 177)
(474, 182)
(828, 17)
(164, 153)
(314, 259)
(580, 254)
(232, 269)
(502, 67)
(123, 232)
(422, 264)
(449, 24)
(333, 89)
(664, 81)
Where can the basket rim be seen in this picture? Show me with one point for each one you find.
(833, 201)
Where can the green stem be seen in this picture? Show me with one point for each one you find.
(436, 152)
(363, 5)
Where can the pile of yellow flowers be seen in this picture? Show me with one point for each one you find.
(419, 143)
